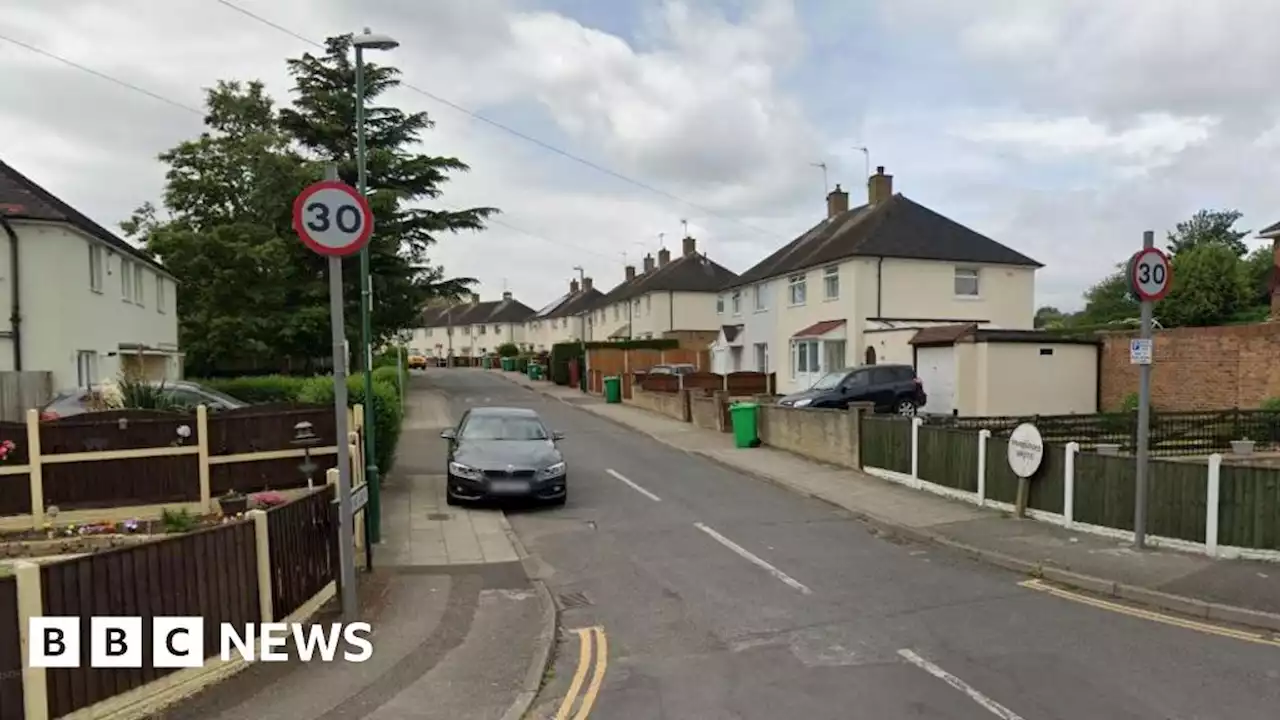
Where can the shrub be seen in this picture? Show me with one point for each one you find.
(508, 350)
(389, 375)
(264, 389)
(1271, 404)
(385, 414)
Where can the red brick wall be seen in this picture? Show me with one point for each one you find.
(1207, 368)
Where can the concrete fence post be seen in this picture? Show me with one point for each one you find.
(915, 446)
(202, 457)
(983, 436)
(1069, 482)
(36, 475)
(1213, 497)
(262, 543)
(35, 681)
(686, 405)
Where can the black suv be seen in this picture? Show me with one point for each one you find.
(893, 388)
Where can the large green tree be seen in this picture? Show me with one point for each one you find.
(1208, 287)
(322, 121)
(1209, 227)
(251, 295)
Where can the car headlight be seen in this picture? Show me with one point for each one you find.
(464, 471)
(551, 471)
(802, 402)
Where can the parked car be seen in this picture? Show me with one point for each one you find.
(676, 369)
(504, 452)
(417, 362)
(182, 393)
(893, 388)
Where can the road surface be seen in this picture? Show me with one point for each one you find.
(715, 596)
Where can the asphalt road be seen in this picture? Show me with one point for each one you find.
(721, 596)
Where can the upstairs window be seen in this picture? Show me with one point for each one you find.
(737, 302)
(966, 283)
(831, 281)
(719, 304)
(95, 267)
(762, 296)
(796, 289)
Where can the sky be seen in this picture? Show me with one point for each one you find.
(1061, 128)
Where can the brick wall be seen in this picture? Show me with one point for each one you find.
(1207, 368)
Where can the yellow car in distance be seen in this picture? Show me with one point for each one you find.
(417, 362)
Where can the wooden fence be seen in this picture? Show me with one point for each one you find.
(735, 384)
(215, 574)
(625, 362)
(23, 389)
(1209, 505)
(94, 466)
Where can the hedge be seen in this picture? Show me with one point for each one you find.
(386, 414)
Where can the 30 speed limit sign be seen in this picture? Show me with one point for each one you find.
(1150, 274)
(332, 218)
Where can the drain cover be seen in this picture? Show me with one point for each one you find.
(439, 516)
(573, 600)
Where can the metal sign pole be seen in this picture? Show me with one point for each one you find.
(346, 518)
(1144, 419)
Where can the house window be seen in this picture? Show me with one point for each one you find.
(126, 280)
(428, 332)
(762, 297)
(95, 267)
(617, 312)
(719, 304)
(86, 368)
(737, 302)
(967, 282)
(804, 357)
(159, 294)
(635, 307)
(483, 329)
(833, 355)
(466, 330)
(648, 304)
(497, 329)
(138, 278)
(831, 281)
(796, 289)
(762, 357)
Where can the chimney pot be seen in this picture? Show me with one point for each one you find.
(664, 257)
(690, 246)
(573, 286)
(879, 187)
(506, 294)
(631, 272)
(586, 283)
(837, 202)
(648, 263)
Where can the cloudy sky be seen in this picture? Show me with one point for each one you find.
(1063, 128)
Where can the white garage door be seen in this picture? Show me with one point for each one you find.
(936, 367)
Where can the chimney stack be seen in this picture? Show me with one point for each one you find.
(837, 202)
(690, 246)
(573, 287)
(648, 263)
(664, 257)
(879, 187)
(586, 283)
(506, 294)
(631, 273)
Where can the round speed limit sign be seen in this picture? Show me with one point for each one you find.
(332, 218)
(1150, 274)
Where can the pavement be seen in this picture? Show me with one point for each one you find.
(460, 630)
(688, 588)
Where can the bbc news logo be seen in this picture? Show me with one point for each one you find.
(178, 642)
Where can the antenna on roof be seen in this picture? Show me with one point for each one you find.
(685, 224)
(826, 185)
(662, 240)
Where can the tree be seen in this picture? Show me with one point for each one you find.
(1208, 286)
(1110, 300)
(1049, 317)
(1209, 227)
(322, 122)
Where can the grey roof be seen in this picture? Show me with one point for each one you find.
(694, 272)
(575, 303)
(1270, 231)
(22, 199)
(490, 311)
(897, 228)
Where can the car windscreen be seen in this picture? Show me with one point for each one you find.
(829, 381)
(498, 427)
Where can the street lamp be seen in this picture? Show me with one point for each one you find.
(368, 41)
(582, 339)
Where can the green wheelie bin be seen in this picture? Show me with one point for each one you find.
(743, 416)
(613, 389)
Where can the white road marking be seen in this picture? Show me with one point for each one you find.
(987, 703)
(633, 485)
(751, 558)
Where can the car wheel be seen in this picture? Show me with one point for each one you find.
(906, 408)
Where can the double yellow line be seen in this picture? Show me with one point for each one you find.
(591, 644)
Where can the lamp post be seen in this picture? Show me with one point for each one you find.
(367, 41)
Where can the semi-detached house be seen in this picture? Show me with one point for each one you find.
(471, 328)
(669, 296)
(77, 300)
(564, 319)
(856, 287)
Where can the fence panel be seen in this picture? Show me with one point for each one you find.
(259, 428)
(1049, 482)
(116, 483)
(117, 430)
(948, 457)
(210, 573)
(1002, 484)
(303, 549)
(1249, 507)
(885, 443)
(10, 651)
(1178, 499)
(1104, 490)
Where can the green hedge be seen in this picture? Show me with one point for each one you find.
(386, 415)
(561, 355)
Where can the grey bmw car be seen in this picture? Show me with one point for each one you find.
(504, 453)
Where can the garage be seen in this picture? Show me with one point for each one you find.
(984, 372)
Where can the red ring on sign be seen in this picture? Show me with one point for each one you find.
(299, 206)
(1133, 274)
